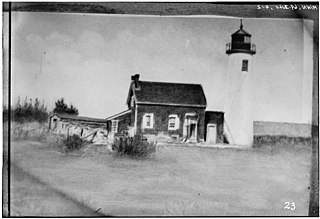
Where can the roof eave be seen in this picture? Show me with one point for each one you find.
(118, 114)
(172, 104)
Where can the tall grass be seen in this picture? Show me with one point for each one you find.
(34, 131)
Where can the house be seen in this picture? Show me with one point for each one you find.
(176, 110)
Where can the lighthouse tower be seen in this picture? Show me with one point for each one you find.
(238, 104)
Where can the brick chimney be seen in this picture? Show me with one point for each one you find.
(135, 80)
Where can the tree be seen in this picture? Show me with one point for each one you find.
(62, 108)
(29, 112)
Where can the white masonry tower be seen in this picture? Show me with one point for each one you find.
(238, 125)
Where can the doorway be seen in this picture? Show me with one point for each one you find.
(192, 131)
(212, 133)
(190, 127)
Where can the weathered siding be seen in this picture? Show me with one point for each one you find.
(124, 121)
(161, 119)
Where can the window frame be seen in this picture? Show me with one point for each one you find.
(176, 122)
(116, 122)
(245, 65)
(247, 39)
(144, 121)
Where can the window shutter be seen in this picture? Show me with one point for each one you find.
(144, 121)
(151, 120)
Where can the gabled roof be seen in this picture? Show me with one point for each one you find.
(78, 118)
(162, 93)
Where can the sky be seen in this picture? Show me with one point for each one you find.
(89, 59)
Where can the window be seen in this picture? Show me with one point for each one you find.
(147, 120)
(114, 126)
(173, 122)
(245, 65)
(247, 39)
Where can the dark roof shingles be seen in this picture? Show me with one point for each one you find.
(170, 93)
(241, 32)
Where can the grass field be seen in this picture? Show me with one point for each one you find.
(188, 181)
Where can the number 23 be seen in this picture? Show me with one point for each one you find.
(290, 206)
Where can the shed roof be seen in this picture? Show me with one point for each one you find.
(79, 118)
(170, 94)
(119, 114)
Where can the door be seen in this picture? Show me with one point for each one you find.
(55, 123)
(190, 127)
(193, 131)
(212, 133)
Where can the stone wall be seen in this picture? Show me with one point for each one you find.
(88, 132)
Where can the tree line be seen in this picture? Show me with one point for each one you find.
(32, 110)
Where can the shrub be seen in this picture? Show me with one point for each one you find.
(73, 142)
(138, 146)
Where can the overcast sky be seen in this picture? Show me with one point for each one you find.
(88, 60)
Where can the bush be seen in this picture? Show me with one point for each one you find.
(73, 142)
(138, 146)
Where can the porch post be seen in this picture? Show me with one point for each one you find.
(196, 130)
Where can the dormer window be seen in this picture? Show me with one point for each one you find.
(245, 63)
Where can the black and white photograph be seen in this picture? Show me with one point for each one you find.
(136, 109)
